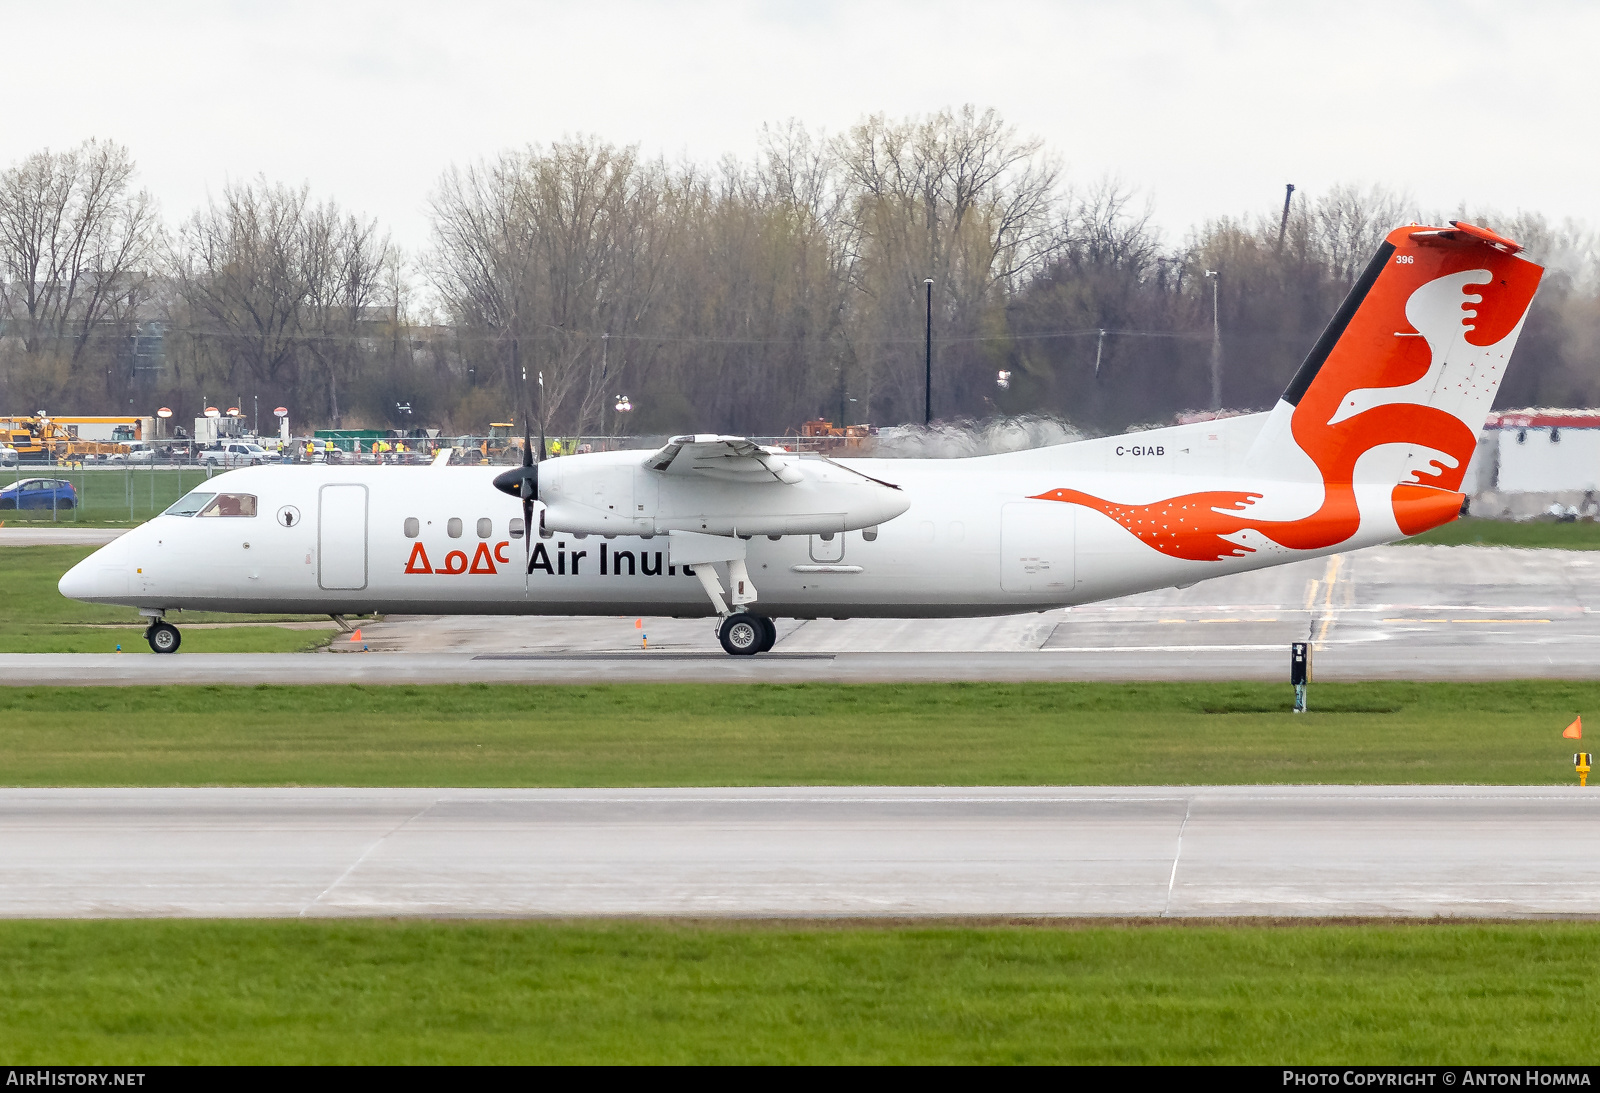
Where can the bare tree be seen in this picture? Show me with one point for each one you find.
(275, 289)
(239, 272)
(344, 265)
(542, 252)
(1350, 222)
(75, 247)
(957, 197)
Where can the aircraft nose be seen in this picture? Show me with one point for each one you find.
(95, 579)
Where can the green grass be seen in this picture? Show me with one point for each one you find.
(151, 992)
(36, 618)
(108, 496)
(1546, 534)
(799, 734)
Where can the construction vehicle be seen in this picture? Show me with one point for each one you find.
(46, 439)
(501, 434)
(117, 430)
(824, 436)
(503, 438)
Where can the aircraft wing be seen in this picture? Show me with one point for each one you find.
(725, 458)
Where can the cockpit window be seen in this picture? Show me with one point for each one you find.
(231, 504)
(189, 504)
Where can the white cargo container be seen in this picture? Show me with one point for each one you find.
(1545, 451)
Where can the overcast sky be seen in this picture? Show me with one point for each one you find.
(1209, 108)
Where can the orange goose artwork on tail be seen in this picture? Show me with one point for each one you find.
(1406, 371)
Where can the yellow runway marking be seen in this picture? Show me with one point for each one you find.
(1499, 620)
(1519, 621)
(1335, 563)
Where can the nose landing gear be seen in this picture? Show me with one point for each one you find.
(743, 634)
(163, 637)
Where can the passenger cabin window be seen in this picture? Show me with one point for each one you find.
(516, 528)
(485, 527)
(189, 504)
(413, 527)
(454, 527)
(231, 504)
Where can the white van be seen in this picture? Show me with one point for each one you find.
(135, 451)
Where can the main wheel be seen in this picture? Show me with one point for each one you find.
(163, 637)
(741, 634)
(769, 634)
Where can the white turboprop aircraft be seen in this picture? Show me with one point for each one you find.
(1368, 444)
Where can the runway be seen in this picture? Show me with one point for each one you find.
(1403, 612)
(58, 535)
(874, 851)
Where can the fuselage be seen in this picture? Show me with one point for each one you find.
(1369, 443)
(975, 540)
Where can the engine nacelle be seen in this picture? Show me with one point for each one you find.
(611, 493)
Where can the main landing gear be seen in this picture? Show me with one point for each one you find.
(163, 637)
(743, 634)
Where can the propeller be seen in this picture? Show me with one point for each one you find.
(523, 482)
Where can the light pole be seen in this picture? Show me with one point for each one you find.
(1215, 277)
(927, 360)
(605, 342)
(1283, 225)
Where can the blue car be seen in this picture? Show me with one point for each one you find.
(39, 493)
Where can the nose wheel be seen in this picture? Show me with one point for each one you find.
(163, 637)
(743, 634)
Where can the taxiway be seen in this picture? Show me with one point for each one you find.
(870, 851)
(1401, 612)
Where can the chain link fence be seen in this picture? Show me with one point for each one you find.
(125, 490)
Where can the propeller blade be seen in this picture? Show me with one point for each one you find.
(523, 484)
(527, 499)
(527, 532)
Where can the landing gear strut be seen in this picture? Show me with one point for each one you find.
(163, 637)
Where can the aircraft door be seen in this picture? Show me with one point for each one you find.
(645, 493)
(342, 537)
(1037, 547)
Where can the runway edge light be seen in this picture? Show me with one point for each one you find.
(1583, 762)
